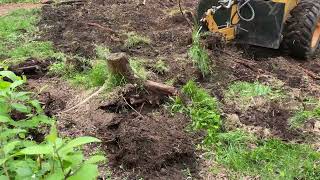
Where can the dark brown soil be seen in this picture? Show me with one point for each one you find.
(273, 117)
(153, 146)
(32, 68)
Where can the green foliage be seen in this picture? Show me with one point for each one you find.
(138, 68)
(160, 67)
(199, 55)
(135, 39)
(102, 52)
(271, 159)
(203, 110)
(96, 76)
(23, 158)
(17, 38)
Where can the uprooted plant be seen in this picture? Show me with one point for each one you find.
(21, 157)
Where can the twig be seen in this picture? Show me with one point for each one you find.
(102, 27)
(106, 29)
(131, 106)
(87, 99)
(182, 13)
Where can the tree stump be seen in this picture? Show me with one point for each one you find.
(118, 63)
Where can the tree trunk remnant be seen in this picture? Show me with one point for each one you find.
(118, 63)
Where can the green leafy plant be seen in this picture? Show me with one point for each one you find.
(23, 158)
(199, 55)
(203, 110)
(135, 39)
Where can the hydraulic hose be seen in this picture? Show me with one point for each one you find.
(247, 2)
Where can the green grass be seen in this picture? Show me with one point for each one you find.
(202, 109)
(97, 76)
(269, 159)
(18, 38)
(138, 68)
(18, 1)
(134, 39)
(304, 115)
(199, 55)
(244, 93)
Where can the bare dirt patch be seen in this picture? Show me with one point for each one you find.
(7, 8)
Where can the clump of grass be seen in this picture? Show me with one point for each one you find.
(203, 110)
(199, 55)
(138, 68)
(18, 38)
(102, 52)
(303, 116)
(93, 77)
(244, 93)
(270, 159)
(135, 39)
(160, 67)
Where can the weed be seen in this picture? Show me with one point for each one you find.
(203, 110)
(160, 67)
(270, 159)
(134, 40)
(199, 55)
(138, 68)
(22, 158)
(18, 38)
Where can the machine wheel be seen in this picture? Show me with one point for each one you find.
(302, 31)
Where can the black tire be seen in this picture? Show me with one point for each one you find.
(300, 29)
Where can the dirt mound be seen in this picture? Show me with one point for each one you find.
(152, 146)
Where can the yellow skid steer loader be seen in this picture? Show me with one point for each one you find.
(291, 24)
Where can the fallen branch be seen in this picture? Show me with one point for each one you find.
(106, 29)
(86, 100)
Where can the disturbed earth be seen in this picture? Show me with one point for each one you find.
(152, 143)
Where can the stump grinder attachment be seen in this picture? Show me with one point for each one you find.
(293, 25)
